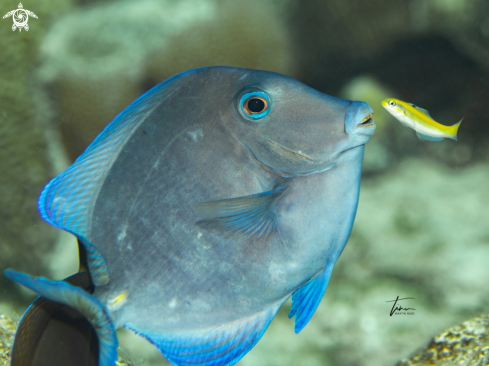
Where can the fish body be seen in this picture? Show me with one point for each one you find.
(205, 205)
(419, 119)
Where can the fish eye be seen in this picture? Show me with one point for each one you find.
(255, 105)
(392, 103)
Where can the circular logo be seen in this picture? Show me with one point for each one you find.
(20, 18)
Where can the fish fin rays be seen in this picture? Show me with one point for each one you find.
(306, 298)
(253, 216)
(224, 345)
(424, 137)
(425, 111)
(455, 127)
(76, 298)
(67, 201)
(46, 324)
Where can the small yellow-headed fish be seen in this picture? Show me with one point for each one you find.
(419, 119)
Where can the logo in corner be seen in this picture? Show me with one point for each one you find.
(20, 17)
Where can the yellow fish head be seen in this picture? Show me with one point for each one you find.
(392, 104)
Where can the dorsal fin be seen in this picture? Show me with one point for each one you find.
(67, 201)
(425, 111)
(306, 298)
(222, 345)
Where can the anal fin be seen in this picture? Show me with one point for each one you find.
(78, 299)
(306, 298)
(223, 345)
(424, 137)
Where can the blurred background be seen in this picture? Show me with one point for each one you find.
(422, 225)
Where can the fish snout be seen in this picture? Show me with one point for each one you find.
(359, 119)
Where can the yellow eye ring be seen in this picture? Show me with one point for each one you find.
(258, 105)
(255, 105)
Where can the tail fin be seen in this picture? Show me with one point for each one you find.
(60, 316)
(455, 129)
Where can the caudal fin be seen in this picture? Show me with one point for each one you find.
(455, 129)
(65, 326)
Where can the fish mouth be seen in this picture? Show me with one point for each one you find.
(367, 121)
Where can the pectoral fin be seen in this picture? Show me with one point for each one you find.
(254, 215)
(306, 298)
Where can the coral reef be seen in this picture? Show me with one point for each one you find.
(466, 344)
(235, 37)
(7, 333)
(25, 146)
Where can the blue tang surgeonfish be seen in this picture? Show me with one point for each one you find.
(203, 207)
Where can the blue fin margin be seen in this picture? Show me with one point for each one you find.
(306, 298)
(76, 298)
(67, 200)
(224, 345)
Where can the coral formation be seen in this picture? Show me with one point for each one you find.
(25, 165)
(466, 344)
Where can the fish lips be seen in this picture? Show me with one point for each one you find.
(359, 120)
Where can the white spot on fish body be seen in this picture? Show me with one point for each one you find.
(123, 234)
(277, 273)
(277, 91)
(199, 235)
(173, 303)
(196, 135)
(242, 77)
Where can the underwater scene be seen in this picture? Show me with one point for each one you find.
(260, 182)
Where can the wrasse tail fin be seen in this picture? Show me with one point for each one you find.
(253, 216)
(222, 345)
(306, 298)
(455, 129)
(67, 315)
